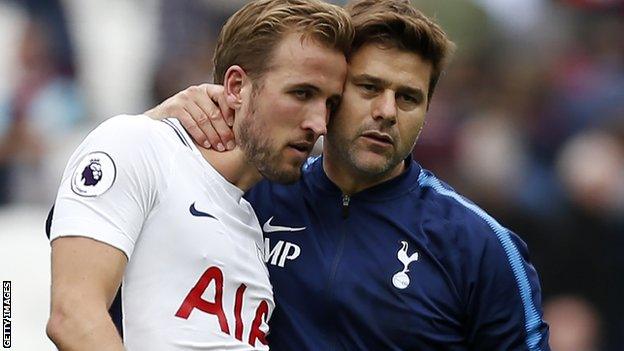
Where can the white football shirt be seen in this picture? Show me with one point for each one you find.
(195, 277)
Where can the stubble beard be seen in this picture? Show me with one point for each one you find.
(255, 141)
(348, 153)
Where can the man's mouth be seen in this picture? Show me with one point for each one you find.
(378, 137)
(302, 146)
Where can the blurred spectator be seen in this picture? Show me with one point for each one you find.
(187, 45)
(586, 250)
(574, 324)
(591, 167)
(42, 109)
(492, 159)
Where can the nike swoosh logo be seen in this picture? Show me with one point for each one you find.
(197, 213)
(268, 228)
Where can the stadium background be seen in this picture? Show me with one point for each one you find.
(528, 122)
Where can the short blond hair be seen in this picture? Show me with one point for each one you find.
(397, 23)
(250, 36)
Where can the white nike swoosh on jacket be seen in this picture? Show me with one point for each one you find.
(268, 228)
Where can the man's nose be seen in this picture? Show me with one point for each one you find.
(316, 121)
(385, 106)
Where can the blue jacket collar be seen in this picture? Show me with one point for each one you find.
(316, 179)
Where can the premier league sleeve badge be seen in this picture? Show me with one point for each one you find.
(94, 175)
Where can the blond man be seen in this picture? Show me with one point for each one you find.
(141, 203)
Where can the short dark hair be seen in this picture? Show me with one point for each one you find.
(397, 23)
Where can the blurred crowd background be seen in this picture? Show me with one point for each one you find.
(528, 122)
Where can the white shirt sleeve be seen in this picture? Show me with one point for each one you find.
(112, 182)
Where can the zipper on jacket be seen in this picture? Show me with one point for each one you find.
(345, 205)
(334, 267)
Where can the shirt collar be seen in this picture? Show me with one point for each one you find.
(316, 178)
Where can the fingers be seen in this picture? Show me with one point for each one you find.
(215, 122)
(215, 92)
(201, 119)
(189, 124)
(174, 107)
(205, 114)
(153, 113)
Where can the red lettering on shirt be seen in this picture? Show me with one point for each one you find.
(194, 300)
(238, 306)
(256, 333)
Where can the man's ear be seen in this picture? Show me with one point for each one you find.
(233, 83)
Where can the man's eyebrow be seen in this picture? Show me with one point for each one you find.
(306, 86)
(384, 83)
(416, 92)
(369, 78)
